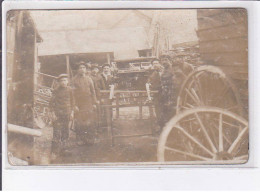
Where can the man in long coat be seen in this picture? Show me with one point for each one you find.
(85, 99)
(106, 77)
(156, 84)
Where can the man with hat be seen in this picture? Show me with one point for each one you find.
(62, 108)
(107, 80)
(98, 84)
(88, 68)
(85, 99)
(156, 84)
(168, 93)
(106, 76)
(97, 79)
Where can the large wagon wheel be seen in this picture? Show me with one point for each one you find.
(206, 135)
(209, 86)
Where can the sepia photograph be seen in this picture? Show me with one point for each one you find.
(127, 87)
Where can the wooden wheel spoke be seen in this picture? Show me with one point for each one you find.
(243, 157)
(185, 107)
(224, 136)
(220, 134)
(194, 140)
(233, 107)
(192, 97)
(237, 140)
(187, 153)
(191, 106)
(196, 96)
(231, 125)
(206, 134)
(199, 87)
(227, 140)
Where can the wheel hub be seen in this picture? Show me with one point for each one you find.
(223, 156)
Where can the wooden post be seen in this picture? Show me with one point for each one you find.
(36, 66)
(68, 66)
(108, 58)
(23, 130)
(140, 109)
(151, 118)
(117, 105)
(109, 124)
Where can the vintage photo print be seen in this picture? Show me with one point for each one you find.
(133, 86)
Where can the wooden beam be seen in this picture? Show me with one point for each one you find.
(108, 58)
(23, 130)
(68, 66)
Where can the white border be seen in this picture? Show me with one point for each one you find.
(176, 177)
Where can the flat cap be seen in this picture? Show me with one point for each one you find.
(106, 64)
(62, 76)
(95, 66)
(81, 63)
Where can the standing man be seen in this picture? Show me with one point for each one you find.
(62, 108)
(106, 113)
(168, 93)
(88, 69)
(85, 99)
(97, 79)
(98, 84)
(106, 76)
(155, 81)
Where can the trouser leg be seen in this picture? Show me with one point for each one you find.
(56, 137)
(65, 129)
(158, 110)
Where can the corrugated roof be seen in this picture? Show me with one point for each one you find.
(124, 42)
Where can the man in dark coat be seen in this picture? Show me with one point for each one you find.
(155, 81)
(85, 98)
(106, 76)
(168, 93)
(62, 108)
(98, 84)
(107, 80)
(98, 80)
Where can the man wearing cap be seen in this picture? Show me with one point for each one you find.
(62, 108)
(155, 81)
(107, 80)
(168, 93)
(88, 69)
(97, 79)
(106, 76)
(85, 98)
(98, 84)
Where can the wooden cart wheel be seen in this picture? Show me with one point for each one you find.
(209, 86)
(206, 135)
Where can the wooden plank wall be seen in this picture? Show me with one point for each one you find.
(223, 41)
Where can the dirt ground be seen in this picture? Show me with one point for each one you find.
(124, 149)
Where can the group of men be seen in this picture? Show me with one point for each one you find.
(79, 100)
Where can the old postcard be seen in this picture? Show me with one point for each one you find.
(108, 87)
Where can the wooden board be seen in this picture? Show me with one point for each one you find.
(221, 19)
(226, 59)
(237, 30)
(224, 45)
(208, 12)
